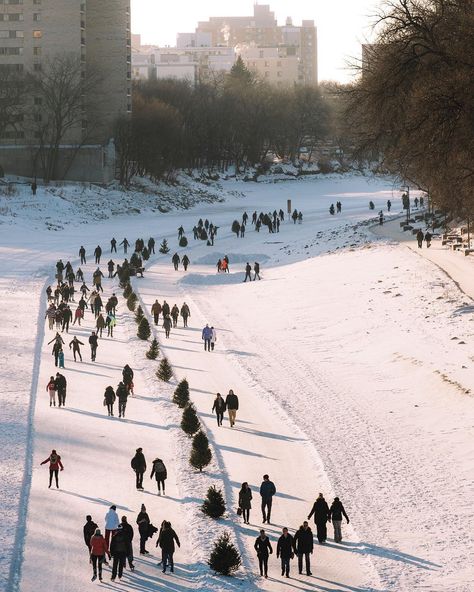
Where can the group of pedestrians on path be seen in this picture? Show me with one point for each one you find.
(170, 315)
(117, 544)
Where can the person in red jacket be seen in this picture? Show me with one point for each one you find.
(55, 464)
(99, 550)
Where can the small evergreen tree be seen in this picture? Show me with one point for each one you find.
(132, 301)
(144, 330)
(145, 254)
(214, 504)
(225, 558)
(127, 290)
(165, 371)
(138, 314)
(183, 241)
(200, 454)
(154, 350)
(181, 394)
(164, 247)
(190, 421)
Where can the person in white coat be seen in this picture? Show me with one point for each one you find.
(213, 338)
(111, 523)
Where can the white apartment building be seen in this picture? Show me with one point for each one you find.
(271, 64)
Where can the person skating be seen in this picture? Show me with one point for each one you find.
(206, 337)
(51, 390)
(109, 400)
(321, 517)
(122, 396)
(338, 207)
(389, 205)
(51, 315)
(336, 512)
(185, 261)
(285, 552)
(332, 210)
(111, 523)
(125, 244)
(97, 254)
(166, 541)
(100, 324)
(219, 265)
(180, 232)
(98, 550)
(381, 218)
(138, 464)
(419, 237)
(175, 315)
(61, 384)
(151, 245)
(82, 255)
(294, 216)
(267, 491)
(110, 322)
(185, 313)
(160, 473)
(176, 261)
(94, 344)
(155, 311)
(76, 349)
(248, 269)
(232, 406)
(127, 375)
(219, 407)
(120, 550)
(428, 237)
(225, 262)
(113, 245)
(88, 530)
(111, 268)
(67, 318)
(303, 546)
(264, 549)
(57, 349)
(55, 465)
(165, 308)
(245, 501)
(167, 324)
(61, 358)
(143, 521)
(128, 530)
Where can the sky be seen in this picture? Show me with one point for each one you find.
(342, 24)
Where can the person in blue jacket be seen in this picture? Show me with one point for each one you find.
(207, 336)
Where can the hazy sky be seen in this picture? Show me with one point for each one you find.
(342, 24)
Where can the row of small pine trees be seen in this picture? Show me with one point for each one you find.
(224, 558)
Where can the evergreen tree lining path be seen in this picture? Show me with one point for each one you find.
(264, 440)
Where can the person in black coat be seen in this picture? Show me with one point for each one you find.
(160, 473)
(285, 551)
(336, 512)
(127, 375)
(321, 517)
(303, 546)
(94, 344)
(89, 530)
(122, 396)
(143, 521)
(264, 549)
(219, 407)
(120, 550)
(138, 464)
(128, 530)
(166, 541)
(232, 406)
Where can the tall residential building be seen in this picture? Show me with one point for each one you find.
(261, 30)
(92, 33)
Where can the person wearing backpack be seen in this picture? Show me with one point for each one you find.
(160, 473)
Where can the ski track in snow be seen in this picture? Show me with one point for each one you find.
(405, 469)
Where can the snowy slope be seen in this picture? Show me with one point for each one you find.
(282, 345)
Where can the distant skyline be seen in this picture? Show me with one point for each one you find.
(342, 24)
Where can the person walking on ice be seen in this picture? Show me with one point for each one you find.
(245, 501)
(176, 261)
(138, 464)
(155, 311)
(55, 465)
(219, 407)
(185, 261)
(166, 541)
(88, 531)
(111, 523)
(207, 336)
(185, 313)
(248, 269)
(285, 552)
(267, 491)
(97, 254)
(98, 550)
(419, 237)
(303, 545)
(51, 390)
(120, 550)
(321, 517)
(336, 512)
(256, 269)
(264, 549)
(160, 473)
(232, 406)
(213, 338)
(167, 324)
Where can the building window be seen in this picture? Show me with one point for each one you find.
(11, 51)
(36, 51)
(37, 34)
(36, 1)
(16, 34)
(36, 16)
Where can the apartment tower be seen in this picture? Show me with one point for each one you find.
(96, 33)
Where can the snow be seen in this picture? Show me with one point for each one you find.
(351, 359)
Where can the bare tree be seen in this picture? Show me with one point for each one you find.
(61, 90)
(12, 87)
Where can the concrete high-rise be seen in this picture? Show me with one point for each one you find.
(96, 33)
